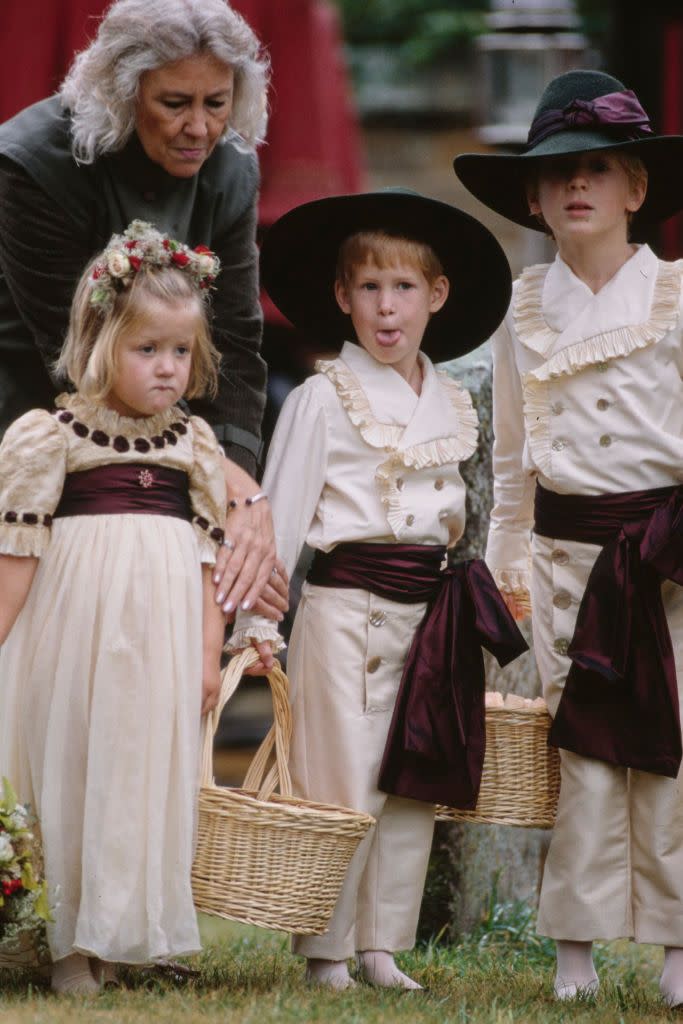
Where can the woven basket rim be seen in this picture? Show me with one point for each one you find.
(287, 804)
(528, 712)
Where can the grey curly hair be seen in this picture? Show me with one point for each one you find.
(101, 87)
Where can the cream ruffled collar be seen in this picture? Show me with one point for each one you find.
(558, 317)
(437, 427)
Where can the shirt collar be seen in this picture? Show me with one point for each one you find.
(391, 397)
(572, 310)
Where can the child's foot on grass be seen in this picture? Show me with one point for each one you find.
(332, 973)
(378, 967)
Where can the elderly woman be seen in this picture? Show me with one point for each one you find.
(158, 119)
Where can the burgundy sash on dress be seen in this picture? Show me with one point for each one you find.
(435, 748)
(620, 701)
(124, 488)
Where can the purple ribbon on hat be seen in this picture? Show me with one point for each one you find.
(620, 110)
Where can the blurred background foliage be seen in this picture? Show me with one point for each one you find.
(429, 31)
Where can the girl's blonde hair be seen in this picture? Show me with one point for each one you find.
(88, 356)
(101, 87)
(385, 250)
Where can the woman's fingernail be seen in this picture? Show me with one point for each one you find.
(217, 578)
(221, 596)
(228, 606)
(246, 605)
(280, 618)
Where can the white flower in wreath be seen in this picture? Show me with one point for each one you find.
(206, 264)
(118, 264)
(6, 849)
(19, 817)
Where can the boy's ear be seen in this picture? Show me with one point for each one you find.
(341, 295)
(636, 197)
(439, 293)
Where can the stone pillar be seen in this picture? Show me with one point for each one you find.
(469, 860)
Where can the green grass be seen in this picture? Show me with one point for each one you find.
(501, 974)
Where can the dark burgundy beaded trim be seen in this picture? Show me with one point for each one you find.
(215, 534)
(27, 518)
(120, 443)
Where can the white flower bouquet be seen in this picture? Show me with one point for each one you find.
(24, 908)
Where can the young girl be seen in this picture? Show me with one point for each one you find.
(111, 511)
(588, 419)
(364, 468)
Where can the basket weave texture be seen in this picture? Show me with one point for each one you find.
(264, 858)
(520, 782)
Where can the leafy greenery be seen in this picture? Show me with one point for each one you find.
(426, 31)
(423, 30)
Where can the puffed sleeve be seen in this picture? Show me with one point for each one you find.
(508, 549)
(294, 480)
(32, 471)
(207, 489)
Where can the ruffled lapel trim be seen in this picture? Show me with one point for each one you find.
(622, 341)
(457, 446)
(535, 333)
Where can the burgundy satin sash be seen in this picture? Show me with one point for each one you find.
(620, 701)
(124, 488)
(436, 743)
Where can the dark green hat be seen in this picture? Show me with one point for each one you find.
(579, 112)
(299, 263)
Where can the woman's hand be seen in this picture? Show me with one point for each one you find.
(247, 568)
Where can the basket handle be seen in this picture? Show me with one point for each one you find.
(277, 738)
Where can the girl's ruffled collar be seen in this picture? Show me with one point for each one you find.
(98, 417)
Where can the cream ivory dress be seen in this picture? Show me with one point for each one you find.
(588, 399)
(357, 456)
(100, 678)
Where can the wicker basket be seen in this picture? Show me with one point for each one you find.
(262, 858)
(521, 779)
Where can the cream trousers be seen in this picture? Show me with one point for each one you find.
(345, 662)
(615, 864)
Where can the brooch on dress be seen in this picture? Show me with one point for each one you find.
(145, 478)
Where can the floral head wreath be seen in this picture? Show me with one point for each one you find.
(141, 245)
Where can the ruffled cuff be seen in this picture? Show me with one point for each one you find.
(24, 541)
(254, 629)
(508, 557)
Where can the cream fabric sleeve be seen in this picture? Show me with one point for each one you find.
(208, 495)
(508, 549)
(32, 471)
(294, 480)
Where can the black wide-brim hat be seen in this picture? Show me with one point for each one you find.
(579, 112)
(299, 263)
